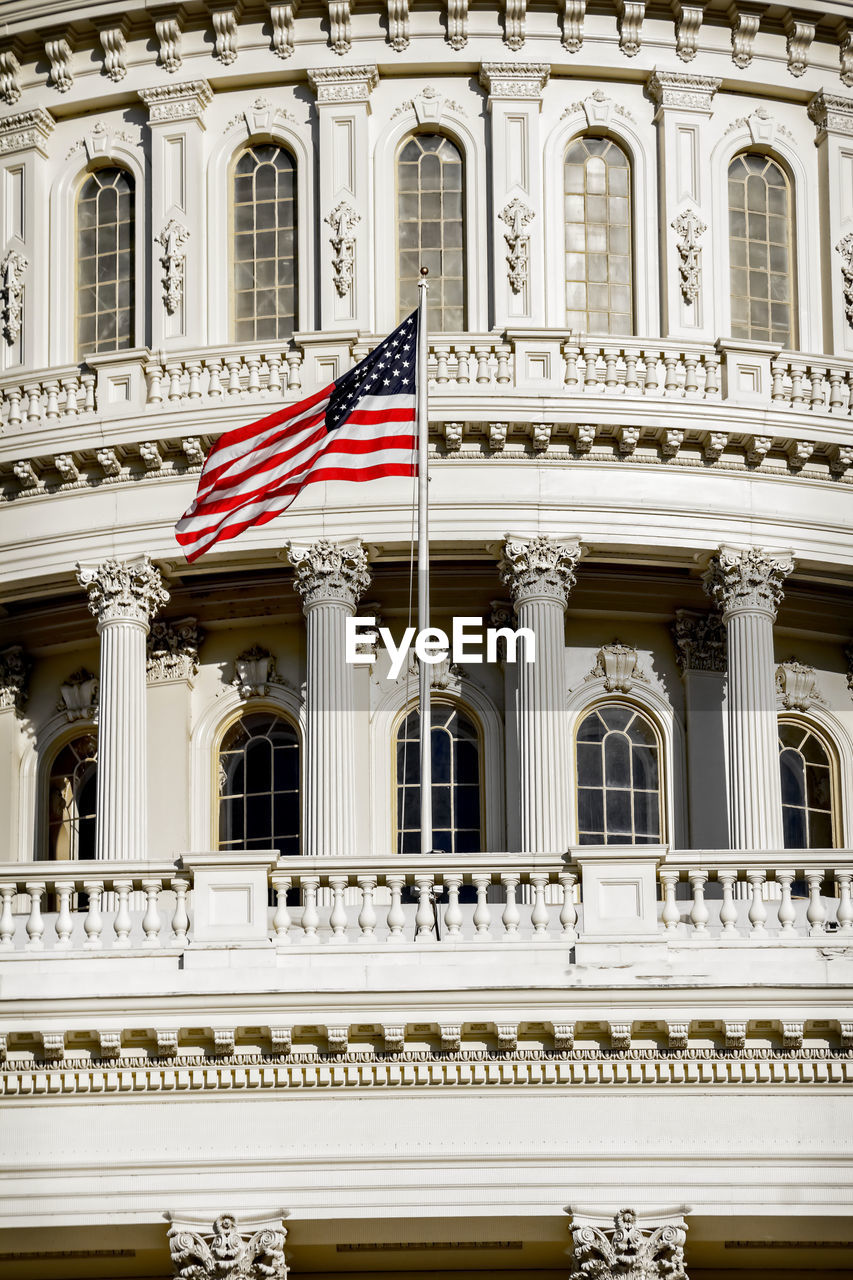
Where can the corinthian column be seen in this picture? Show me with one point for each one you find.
(626, 1246)
(540, 576)
(123, 596)
(747, 587)
(330, 578)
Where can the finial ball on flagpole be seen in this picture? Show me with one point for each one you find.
(424, 271)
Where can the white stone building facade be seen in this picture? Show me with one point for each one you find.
(607, 1029)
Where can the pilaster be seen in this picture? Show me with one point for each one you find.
(171, 666)
(330, 578)
(343, 107)
(684, 105)
(540, 575)
(833, 119)
(515, 106)
(179, 259)
(14, 673)
(746, 585)
(123, 596)
(24, 233)
(700, 649)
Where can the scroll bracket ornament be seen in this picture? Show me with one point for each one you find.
(343, 220)
(457, 23)
(845, 248)
(172, 239)
(626, 1250)
(689, 227)
(12, 270)
(226, 1252)
(517, 215)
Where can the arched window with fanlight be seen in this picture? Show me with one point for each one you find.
(619, 796)
(106, 219)
(807, 772)
(259, 784)
(457, 825)
(598, 234)
(431, 229)
(761, 253)
(72, 787)
(264, 244)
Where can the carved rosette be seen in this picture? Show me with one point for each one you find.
(123, 590)
(14, 672)
(173, 649)
(226, 1253)
(539, 567)
(329, 572)
(12, 270)
(746, 581)
(627, 1250)
(700, 641)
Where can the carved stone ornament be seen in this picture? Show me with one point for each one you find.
(700, 641)
(517, 80)
(329, 572)
(183, 101)
(539, 567)
(114, 45)
(762, 126)
(172, 649)
(123, 590)
(797, 683)
(630, 23)
(848, 654)
(747, 580)
(677, 89)
(78, 695)
(845, 55)
(283, 22)
(429, 106)
(398, 24)
(574, 12)
(457, 23)
(58, 53)
(340, 25)
(26, 130)
(226, 1253)
(168, 32)
(443, 675)
(616, 664)
(10, 72)
(172, 239)
(688, 20)
(845, 249)
(800, 36)
(12, 270)
(688, 226)
(14, 671)
(628, 1251)
(343, 220)
(831, 114)
(515, 20)
(255, 672)
(343, 84)
(224, 18)
(517, 215)
(744, 30)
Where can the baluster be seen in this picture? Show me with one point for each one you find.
(13, 399)
(651, 383)
(484, 373)
(442, 356)
(274, 372)
(816, 397)
(816, 911)
(175, 371)
(151, 921)
(51, 409)
(294, 370)
(396, 920)
(425, 916)
(338, 915)
(836, 394)
(367, 915)
(154, 379)
(233, 364)
(798, 373)
(757, 909)
(70, 386)
(670, 915)
(590, 370)
(691, 382)
(93, 924)
(571, 354)
(844, 915)
(88, 380)
(122, 923)
(503, 352)
(180, 919)
(670, 379)
(568, 910)
(728, 909)
(214, 377)
(7, 920)
(35, 923)
(194, 370)
(699, 912)
(64, 919)
(254, 364)
(610, 358)
(453, 912)
(632, 382)
(463, 367)
(511, 915)
(482, 911)
(777, 389)
(33, 402)
(787, 912)
(281, 920)
(712, 374)
(539, 916)
(310, 915)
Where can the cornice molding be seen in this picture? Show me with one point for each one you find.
(172, 102)
(343, 84)
(26, 130)
(676, 90)
(518, 81)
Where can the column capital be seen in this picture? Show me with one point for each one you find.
(329, 572)
(679, 91)
(831, 114)
(519, 81)
(700, 640)
(624, 1250)
(747, 580)
(254, 1253)
(26, 131)
(184, 101)
(539, 566)
(14, 675)
(123, 590)
(343, 84)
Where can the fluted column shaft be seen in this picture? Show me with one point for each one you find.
(540, 575)
(330, 578)
(123, 596)
(747, 586)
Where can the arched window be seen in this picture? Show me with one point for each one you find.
(456, 806)
(807, 788)
(760, 250)
(259, 771)
(105, 262)
(599, 297)
(618, 771)
(265, 300)
(72, 800)
(430, 229)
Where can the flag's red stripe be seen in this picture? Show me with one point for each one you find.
(237, 434)
(343, 445)
(266, 462)
(364, 473)
(211, 476)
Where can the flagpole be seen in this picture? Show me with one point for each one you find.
(423, 564)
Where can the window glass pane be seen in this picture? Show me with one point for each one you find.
(72, 800)
(259, 770)
(806, 773)
(431, 229)
(264, 223)
(105, 254)
(758, 185)
(618, 785)
(598, 237)
(456, 809)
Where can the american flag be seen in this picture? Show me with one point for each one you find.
(360, 427)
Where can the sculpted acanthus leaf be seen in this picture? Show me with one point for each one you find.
(343, 220)
(630, 1252)
(329, 572)
(132, 590)
(226, 1254)
(517, 215)
(12, 270)
(688, 226)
